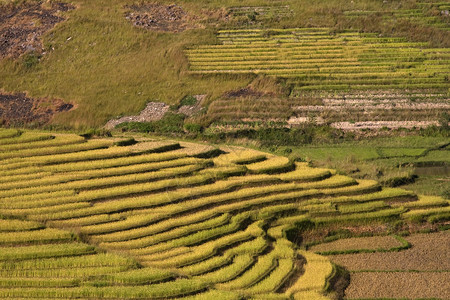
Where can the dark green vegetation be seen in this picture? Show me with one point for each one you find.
(141, 218)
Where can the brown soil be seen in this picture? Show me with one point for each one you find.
(399, 285)
(245, 92)
(21, 27)
(158, 17)
(375, 242)
(429, 252)
(18, 109)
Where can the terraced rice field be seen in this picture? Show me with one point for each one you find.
(316, 59)
(427, 13)
(166, 219)
(353, 80)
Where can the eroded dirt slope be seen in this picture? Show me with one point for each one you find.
(21, 27)
(18, 109)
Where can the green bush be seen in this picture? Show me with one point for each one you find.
(127, 142)
(31, 59)
(188, 100)
(193, 127)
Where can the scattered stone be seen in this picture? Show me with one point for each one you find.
(190, 110)
(381, 124)
(154, 111)
(158, 17)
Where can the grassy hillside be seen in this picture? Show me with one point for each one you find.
(97, 60)
(112, 218)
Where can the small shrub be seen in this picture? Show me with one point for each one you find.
(188, 100)
(127, 142)
(31, 59)
(193, 127)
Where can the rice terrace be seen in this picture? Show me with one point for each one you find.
(235, 149)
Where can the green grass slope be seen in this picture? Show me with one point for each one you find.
(99, 61)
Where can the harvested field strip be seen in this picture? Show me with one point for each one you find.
(398, 285)
(420, 256)
(356, 244)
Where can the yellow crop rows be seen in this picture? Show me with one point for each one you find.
(172, 224)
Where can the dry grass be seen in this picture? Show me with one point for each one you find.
(398, 285)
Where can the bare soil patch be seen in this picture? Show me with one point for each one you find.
(371, 243)
(245, 92)
(21, 27)
(399, 285)
(429, 252)
(18, 109)
(159, 17)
